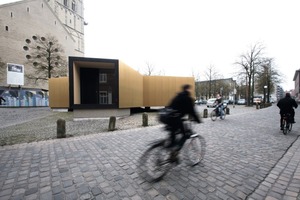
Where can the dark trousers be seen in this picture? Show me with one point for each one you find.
(177, 128)
(291, 117)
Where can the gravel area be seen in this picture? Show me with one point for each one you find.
(19, 125)
(23, 125)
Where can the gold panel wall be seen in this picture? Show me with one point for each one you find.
(159, 90)
(59, 92)
(130, 87)
(76, 84)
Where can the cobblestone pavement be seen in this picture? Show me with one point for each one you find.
(247, 157)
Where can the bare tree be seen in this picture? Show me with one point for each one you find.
(267, 76)
(196, 76)
(211, 74)
(149, 69)
(45, 54)
(249, 62)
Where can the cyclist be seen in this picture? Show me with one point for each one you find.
(219, 104)
(287, 105)
(183, 104)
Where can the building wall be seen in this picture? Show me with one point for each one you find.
(297, 85)
(159, 90)
(72, 19)
(130, 87)
(24, 19)
(59, 92)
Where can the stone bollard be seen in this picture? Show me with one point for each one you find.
(227, 111)
(61, 128)
(205, 113)
(112, 123)
(145, 119)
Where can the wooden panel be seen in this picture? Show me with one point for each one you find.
(130, 87)
(59, 92)
(159, 90)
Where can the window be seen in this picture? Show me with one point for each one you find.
(65, 2)
(27, 9)
(6, 28)
(73, 5)
(103, 97)
(102, 78)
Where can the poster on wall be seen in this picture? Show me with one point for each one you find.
(15, 74)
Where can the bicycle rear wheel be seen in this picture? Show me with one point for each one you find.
(195, 149)
(213, 115)
(285, 127)
(155, 162)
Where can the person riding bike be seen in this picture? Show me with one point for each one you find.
(219, 104)
(287, 105)
(182, 104)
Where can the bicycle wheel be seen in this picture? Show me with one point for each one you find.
(285, 127)
(155, 162)
(213, 115)
(195, 149)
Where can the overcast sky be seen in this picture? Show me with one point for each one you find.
(185, 37)
(181, 37)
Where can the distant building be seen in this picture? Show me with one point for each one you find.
(20, 22)
(297, 85)
(209, 88)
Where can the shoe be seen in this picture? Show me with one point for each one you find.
(293, 122)
(281, 128)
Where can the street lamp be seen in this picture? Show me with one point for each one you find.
(265, 88)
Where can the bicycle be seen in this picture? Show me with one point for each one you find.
(221, 113)
(286, 123)
(157, 160)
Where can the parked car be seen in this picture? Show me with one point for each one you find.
(225, 102)
(241, 102)
(211, 103)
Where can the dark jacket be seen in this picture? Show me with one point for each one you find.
(286, 105)
(183, 103)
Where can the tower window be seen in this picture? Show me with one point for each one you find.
(27, 9)
(11, 14)
(6, 28)
(73, 5)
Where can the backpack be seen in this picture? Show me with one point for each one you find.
(166, 115)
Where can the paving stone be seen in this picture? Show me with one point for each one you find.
(243, 160)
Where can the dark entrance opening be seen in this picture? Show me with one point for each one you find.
(89, 85)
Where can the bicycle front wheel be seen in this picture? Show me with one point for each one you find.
(195, 149)
(213, 115)
(155, 163)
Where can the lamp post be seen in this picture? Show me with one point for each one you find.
(265, 87)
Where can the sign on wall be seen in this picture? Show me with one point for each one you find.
(15, 74)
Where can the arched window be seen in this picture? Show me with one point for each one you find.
(73, 5)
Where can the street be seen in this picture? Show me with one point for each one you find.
(247, 157)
